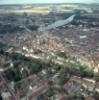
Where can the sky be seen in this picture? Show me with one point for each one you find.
(46, 1)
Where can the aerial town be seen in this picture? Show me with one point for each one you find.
(49, 52)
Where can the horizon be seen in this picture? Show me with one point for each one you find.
(3, 2)
(47, 3)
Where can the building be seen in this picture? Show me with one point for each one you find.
(76, 85)
(30, 88)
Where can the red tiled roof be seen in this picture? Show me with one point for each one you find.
(41, 90)
(65, 86)
(11, 98)
(2, 83)
(75, 78)
(88, 98)
(97, 87)
(63, 98)
(87, 83)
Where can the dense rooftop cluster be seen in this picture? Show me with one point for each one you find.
(55, 64)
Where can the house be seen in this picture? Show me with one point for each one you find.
(73, 85)
(88, 84)
(2, 83)
(89, 98)
(63, 98)
(76, 84)
(30, 88)
(97, 87)
(39, 91)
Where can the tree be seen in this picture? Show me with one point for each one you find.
(24, 73)
(35, 68)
